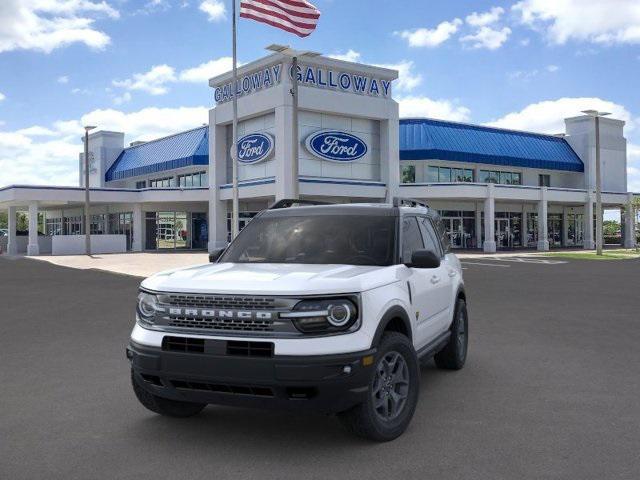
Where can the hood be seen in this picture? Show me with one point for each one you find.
(272, 279)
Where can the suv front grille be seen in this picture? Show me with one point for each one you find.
(219, 301)
(240, 315)
(224, 324)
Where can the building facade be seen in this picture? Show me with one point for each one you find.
(496, 189)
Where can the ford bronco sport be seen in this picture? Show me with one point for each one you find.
(320, 307)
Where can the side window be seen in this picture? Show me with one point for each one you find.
(441, 234)
(430, 238)
(411, 238)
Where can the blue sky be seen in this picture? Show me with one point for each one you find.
(142, 66)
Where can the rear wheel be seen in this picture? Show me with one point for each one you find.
(164, 406)
(392, 394)
(454, 354)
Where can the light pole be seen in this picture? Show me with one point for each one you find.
(596, 114)
(87, 217)
(295, 146)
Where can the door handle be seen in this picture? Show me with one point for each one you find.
(452, 273)
(435, 279)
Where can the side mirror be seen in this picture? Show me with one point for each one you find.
(215, 255)
(424, 259)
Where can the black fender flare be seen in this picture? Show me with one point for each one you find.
(393, 312)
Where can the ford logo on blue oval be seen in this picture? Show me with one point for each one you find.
(336, 146)
(255, 148)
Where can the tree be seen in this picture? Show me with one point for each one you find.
(3, 220)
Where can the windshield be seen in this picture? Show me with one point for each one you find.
(317, 239)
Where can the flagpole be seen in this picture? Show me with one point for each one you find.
(294, 130)
(234, 148)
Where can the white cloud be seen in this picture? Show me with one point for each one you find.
(48, 155)
(424, 37)
(203, 72)
(595, 21)
(214, 9)
(154, 81)
(2, 96)
(486, 18)
(526, 75)
(349, 56)
(420, 106)
(407, 78)
(63, 79)
(120, 99)
(45, 25)
(487, 37)
(548, 116)
(525, 42)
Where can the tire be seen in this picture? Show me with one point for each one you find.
(374, 419)
(164, 406)
(454, 354)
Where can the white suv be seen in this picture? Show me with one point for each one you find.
(321, 307)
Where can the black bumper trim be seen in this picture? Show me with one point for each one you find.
(322, 383)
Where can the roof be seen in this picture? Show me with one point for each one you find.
(183, 149)
(358, 209)
(424, 139)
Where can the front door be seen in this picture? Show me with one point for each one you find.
(430, 287)
(504, 238)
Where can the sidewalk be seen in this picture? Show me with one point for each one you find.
(136, 264)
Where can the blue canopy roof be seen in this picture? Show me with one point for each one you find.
(183, 149)
(427, 139)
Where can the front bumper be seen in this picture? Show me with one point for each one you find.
(322, 383)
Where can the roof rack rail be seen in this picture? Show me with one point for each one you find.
(294, 202)
(408, 202)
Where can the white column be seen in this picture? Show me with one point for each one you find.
(543, 240)
(478, 225)
(12, 246)
(32, 246)
(565, 227)
(629, 224)
(489, 245)
(218, 209)
(589, 242)
(138, 221)
(284, 155)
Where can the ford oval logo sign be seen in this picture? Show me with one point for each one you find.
(336, 146)
(255, 148)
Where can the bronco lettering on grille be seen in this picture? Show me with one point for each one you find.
(232, 314)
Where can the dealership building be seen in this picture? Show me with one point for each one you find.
(495, 189)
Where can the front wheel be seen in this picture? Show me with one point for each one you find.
(164, 406)
(392, 393)
(454, 354)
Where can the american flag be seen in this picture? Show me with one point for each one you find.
(295, 16)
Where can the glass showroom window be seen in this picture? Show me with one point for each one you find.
(408, 174)
(142, 184)
(98, 223)
(190, 180)
(53, 226)
(504, 178)
(447, 175)
(162, 182)
(544, 180)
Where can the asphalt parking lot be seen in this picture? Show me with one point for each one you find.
(551, 389)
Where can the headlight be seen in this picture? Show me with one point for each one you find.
(147, 306)
(328, 315)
